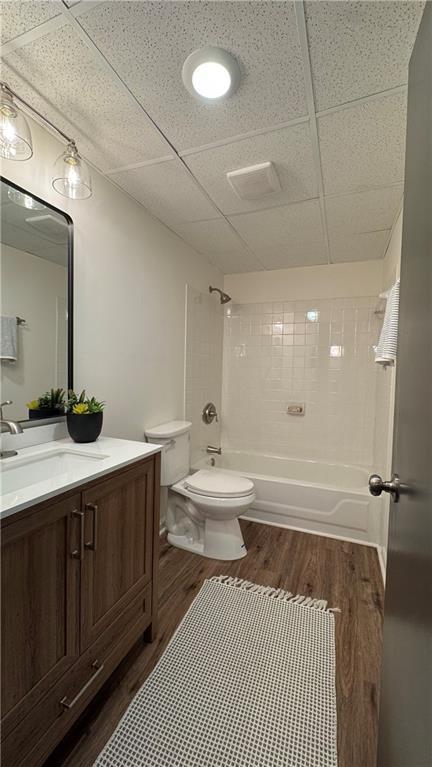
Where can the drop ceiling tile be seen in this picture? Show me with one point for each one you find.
(210, 236)
(362, 246)
(364, 211)
(168, 191)
(60, 77)
(363, 145)
(18, 17)
(290, 150)
(235, 262)
(282, 237)
(359, 48)
(147, 43)
(359, 224)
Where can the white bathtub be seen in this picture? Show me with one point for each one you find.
(326, 498)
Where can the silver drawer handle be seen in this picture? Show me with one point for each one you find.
(66, 704)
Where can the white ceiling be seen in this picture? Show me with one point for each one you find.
(322, 95)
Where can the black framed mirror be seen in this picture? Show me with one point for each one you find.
(36, 313)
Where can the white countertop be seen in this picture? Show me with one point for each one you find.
(111, 453)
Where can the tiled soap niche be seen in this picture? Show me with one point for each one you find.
(318, 353)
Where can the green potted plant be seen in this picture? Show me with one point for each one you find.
(49, 405)
(84, 417)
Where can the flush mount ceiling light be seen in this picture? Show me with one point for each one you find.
(71, 174)
(15, 136)
(211, 74)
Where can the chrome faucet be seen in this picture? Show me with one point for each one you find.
(212, 449)
(13, 427)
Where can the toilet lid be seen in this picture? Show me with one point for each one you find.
(219, 484)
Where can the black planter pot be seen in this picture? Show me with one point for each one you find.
(45, 412)
(84, 428)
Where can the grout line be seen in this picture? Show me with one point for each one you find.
(310, 100)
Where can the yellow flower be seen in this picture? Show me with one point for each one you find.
(33, 405)
(80, 409)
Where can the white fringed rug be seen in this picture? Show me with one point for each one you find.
(248, 680)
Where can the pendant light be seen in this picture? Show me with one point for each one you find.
(71, 175)
(15, 136)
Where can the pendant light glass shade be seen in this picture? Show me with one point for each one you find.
(71, 176)
(15, 135)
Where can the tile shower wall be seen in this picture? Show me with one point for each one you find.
(203, 366)
(316, 352)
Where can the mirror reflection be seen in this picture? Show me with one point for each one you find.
(35, 348)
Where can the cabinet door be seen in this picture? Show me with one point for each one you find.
(40, 564)
(118, 541)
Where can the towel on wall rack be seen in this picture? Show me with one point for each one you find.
(386, 350)
(8, 339)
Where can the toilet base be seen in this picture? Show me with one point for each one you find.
(222, 539)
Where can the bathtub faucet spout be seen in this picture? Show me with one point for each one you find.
(212, 449)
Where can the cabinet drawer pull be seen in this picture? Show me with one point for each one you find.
(68, 704)
(79, 553)
(92, 545)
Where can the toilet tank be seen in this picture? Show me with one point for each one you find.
(174, 436)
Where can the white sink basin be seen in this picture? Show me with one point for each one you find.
(23, 472)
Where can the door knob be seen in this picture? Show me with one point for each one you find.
(378, 486)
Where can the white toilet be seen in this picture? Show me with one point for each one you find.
(203, 507)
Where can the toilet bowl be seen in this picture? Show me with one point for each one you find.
(203, 507)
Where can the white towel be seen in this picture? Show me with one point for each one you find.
(385, 352)
(8, 339)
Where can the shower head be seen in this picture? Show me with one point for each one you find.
(224, 297)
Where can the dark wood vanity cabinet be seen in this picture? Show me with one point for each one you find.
(78, 589)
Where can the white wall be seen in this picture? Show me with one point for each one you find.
(30, 287)
(203, 373)
(130, 277)
(361, 278)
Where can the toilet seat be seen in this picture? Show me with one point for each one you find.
(218, 484)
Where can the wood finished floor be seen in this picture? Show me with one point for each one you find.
(345, 574)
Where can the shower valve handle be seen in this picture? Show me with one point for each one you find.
(209, 413)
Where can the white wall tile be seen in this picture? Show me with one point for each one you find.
(295, 365)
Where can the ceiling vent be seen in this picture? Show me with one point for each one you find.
(254, 182)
